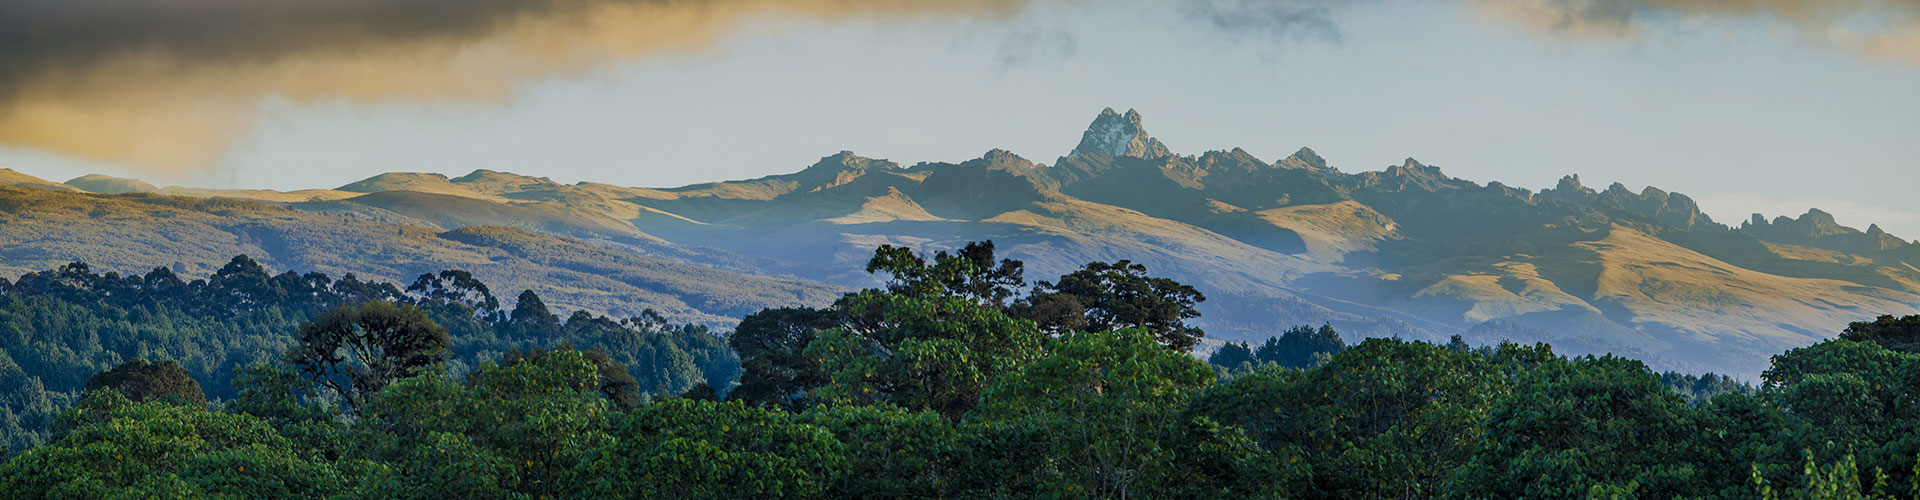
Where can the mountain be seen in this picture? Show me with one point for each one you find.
(9, 177)
(96, 183)
(1405, 250)
(1114, 134)
(133, 233)
(102, 184)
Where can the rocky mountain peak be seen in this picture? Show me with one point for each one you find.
(1117, 135)
(1570, 184)
(1305, 158)
(495, 182)
(848, 161)
(1001, 159)
(1413, 168)
(1004, 157)
(839, 169)
(1818, 216)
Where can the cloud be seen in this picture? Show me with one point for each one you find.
(1888, 29)
(169, 85)
(1275, 19)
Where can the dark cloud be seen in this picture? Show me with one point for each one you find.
(172, 84)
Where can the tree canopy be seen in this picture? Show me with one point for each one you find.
(898, 392)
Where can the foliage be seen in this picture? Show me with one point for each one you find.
(772, 345)
(1699, 389)
(112, 447)
(514, 427)
(1300, 346)
(1386, 419)
(938, 353)
(62, 326)
(142, 381)
(1231, 356)
(970, 273)
(1110, 404)
(1898, 333)
(908, 392)
(357, 351)
(1571, 425)
(1121, 295)
(702, 449)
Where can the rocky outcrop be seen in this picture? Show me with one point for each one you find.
(1117, 135)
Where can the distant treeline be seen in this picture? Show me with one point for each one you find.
(955, 380)
(59, 327)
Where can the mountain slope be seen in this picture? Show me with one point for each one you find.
(41, 229)
(9, 177)
(1406, 250)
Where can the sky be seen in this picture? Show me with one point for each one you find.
(1767, 108)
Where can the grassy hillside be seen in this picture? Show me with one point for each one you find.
(1402, 251)
(41, 229)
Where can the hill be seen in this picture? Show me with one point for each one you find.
(133, 233)
(1405, 251)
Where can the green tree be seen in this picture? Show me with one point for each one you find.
(357, 351)
(532, 318)
(891, 452)
(1569, 426)
(1231, 355)
(1898, 333)
(772, 346)
(1747, 436)
(143, 381)
(685, 448)
(290, 403)
(1299, 346)
(517, 427)
(972, 273)
(112, 447)
(938, 353)
(1111, 406)
(1386, 419)
(1858, 396)
(1121, 295)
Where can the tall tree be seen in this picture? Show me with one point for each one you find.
(143, 381)
(1111, 407)
(357, 351)
(455, 285)
(1300, 345)
(1121, 295)
(1231, 355)
(936, 353)
(530, 314)
(1899, 333)
(772, 344)
(972, 272)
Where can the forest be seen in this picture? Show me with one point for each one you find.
(956, 379)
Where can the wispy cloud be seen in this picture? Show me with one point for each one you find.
(1877, 28)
